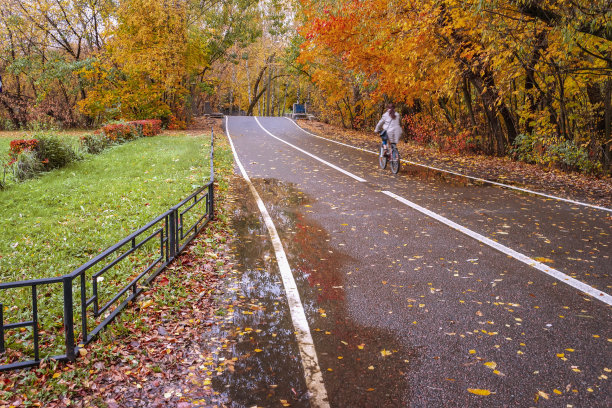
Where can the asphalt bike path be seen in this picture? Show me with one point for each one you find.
(573, 239)
(405, 311)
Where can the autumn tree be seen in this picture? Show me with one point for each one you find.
(527, 77)
(44, 45)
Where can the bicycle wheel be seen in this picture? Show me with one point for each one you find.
(382, 158)
(395, 160)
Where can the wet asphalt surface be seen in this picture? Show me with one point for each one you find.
(405, 311)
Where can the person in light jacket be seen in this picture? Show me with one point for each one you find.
(388, 127)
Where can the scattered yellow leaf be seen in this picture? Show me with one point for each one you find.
(258, 350)
(491, 364)
(472, 351)
(82, 352)
(543, 259)
(370, 367)
(478, 391)
(543, 394)
(56, 375)
(146, 304)
(556, 391)
(361, 346)
(385, 353)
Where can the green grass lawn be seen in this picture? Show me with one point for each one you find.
(55, 223)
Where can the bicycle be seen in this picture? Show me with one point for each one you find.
(394, 158)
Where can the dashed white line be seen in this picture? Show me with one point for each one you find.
(310, 363)
(507, 186)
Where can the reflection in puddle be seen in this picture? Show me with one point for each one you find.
(263, 356)
(427, 174)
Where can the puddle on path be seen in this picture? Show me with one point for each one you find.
(362, 366)
(427, 174)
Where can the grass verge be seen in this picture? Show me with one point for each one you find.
(140, 352)
(53, 224)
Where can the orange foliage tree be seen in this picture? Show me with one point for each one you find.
(500, 76)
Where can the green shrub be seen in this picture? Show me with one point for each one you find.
(564, 153)
(573, 157)
(7, 124)
(27, 166)
(54, 152)
(94, 143)
(524, 148)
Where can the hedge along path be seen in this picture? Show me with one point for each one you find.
(55, 223)
(7, 136)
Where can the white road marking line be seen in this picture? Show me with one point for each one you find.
(567, 200)
(310, 363)
(583, 287)
(312, 155)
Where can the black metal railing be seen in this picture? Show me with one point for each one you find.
(161, 240)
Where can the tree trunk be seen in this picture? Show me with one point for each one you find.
(257, 95)
(541, 44)
(485, 86)
(285, 98)
(254, 102)
(443, 105)
(341, 115)
(268, 89)
(607, 125)
(467, 97)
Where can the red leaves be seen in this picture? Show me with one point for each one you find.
(19, 146)
(150, 127)
(120, 131)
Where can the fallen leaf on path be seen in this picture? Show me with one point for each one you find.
(479, 391)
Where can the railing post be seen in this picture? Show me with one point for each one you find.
(172, 233)
(211, 200)
(69, 318)
(35, 322)
(211, 188)
(1, 328)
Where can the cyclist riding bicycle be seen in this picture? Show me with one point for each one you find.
(389, 127)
